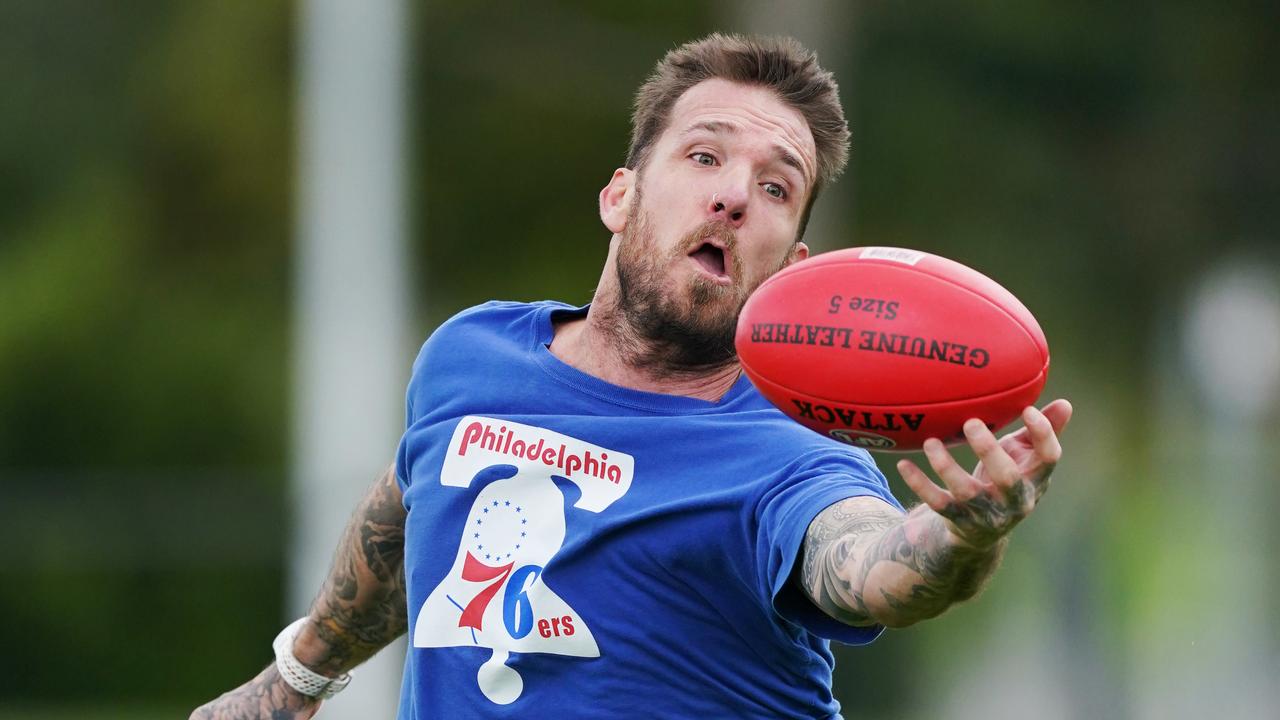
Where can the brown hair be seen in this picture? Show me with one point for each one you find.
(780, 64)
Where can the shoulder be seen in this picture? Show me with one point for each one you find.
(803, 471)
(485, 327)
(497, 315)
(804, 448)
(478, 339)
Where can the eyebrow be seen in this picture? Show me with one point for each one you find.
(782, 154)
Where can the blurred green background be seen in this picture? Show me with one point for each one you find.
(1101, 160)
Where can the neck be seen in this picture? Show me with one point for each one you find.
(604, 345)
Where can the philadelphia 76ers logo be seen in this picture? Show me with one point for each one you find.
(496, 594)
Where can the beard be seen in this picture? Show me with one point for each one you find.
(684, 329)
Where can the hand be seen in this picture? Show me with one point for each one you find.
(1012, 474)
(266, 697)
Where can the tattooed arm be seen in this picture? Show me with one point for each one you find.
(360, 609)
(865, 563)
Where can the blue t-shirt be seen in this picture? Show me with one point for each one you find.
(575, 549)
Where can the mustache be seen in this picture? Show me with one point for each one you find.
(711, 229)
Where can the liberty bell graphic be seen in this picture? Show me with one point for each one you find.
(496, 594)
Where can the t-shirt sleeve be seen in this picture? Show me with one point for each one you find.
(436, 359)
(402, 452)
(783, 516)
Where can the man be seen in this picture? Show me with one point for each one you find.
(593, 514)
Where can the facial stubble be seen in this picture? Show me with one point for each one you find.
(682, 329)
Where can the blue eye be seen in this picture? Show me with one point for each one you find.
(703, 159)
(775, 190)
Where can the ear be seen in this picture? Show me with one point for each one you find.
(799, 252)
(615, 200)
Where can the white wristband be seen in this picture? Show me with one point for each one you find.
(299, 676)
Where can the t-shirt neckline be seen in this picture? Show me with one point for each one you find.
(543, 331)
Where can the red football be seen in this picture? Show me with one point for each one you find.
(885, 347)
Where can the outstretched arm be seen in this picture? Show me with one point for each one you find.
(360, 609)
(865, 563)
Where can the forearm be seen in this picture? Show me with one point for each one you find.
(361, 606)
(865, 564)
(360, 609)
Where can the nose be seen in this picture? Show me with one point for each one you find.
(730, 205)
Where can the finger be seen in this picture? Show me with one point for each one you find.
(920, 484)
(1000, 468)
(1043, 438)
(961, 484)
(1059, 413)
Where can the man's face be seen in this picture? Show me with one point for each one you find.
(716, 210)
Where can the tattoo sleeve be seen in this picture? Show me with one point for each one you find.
(361, 606)
(265, 696)
(866, 563)
(360, 609)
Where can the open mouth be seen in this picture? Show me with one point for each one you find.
(711, 258)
